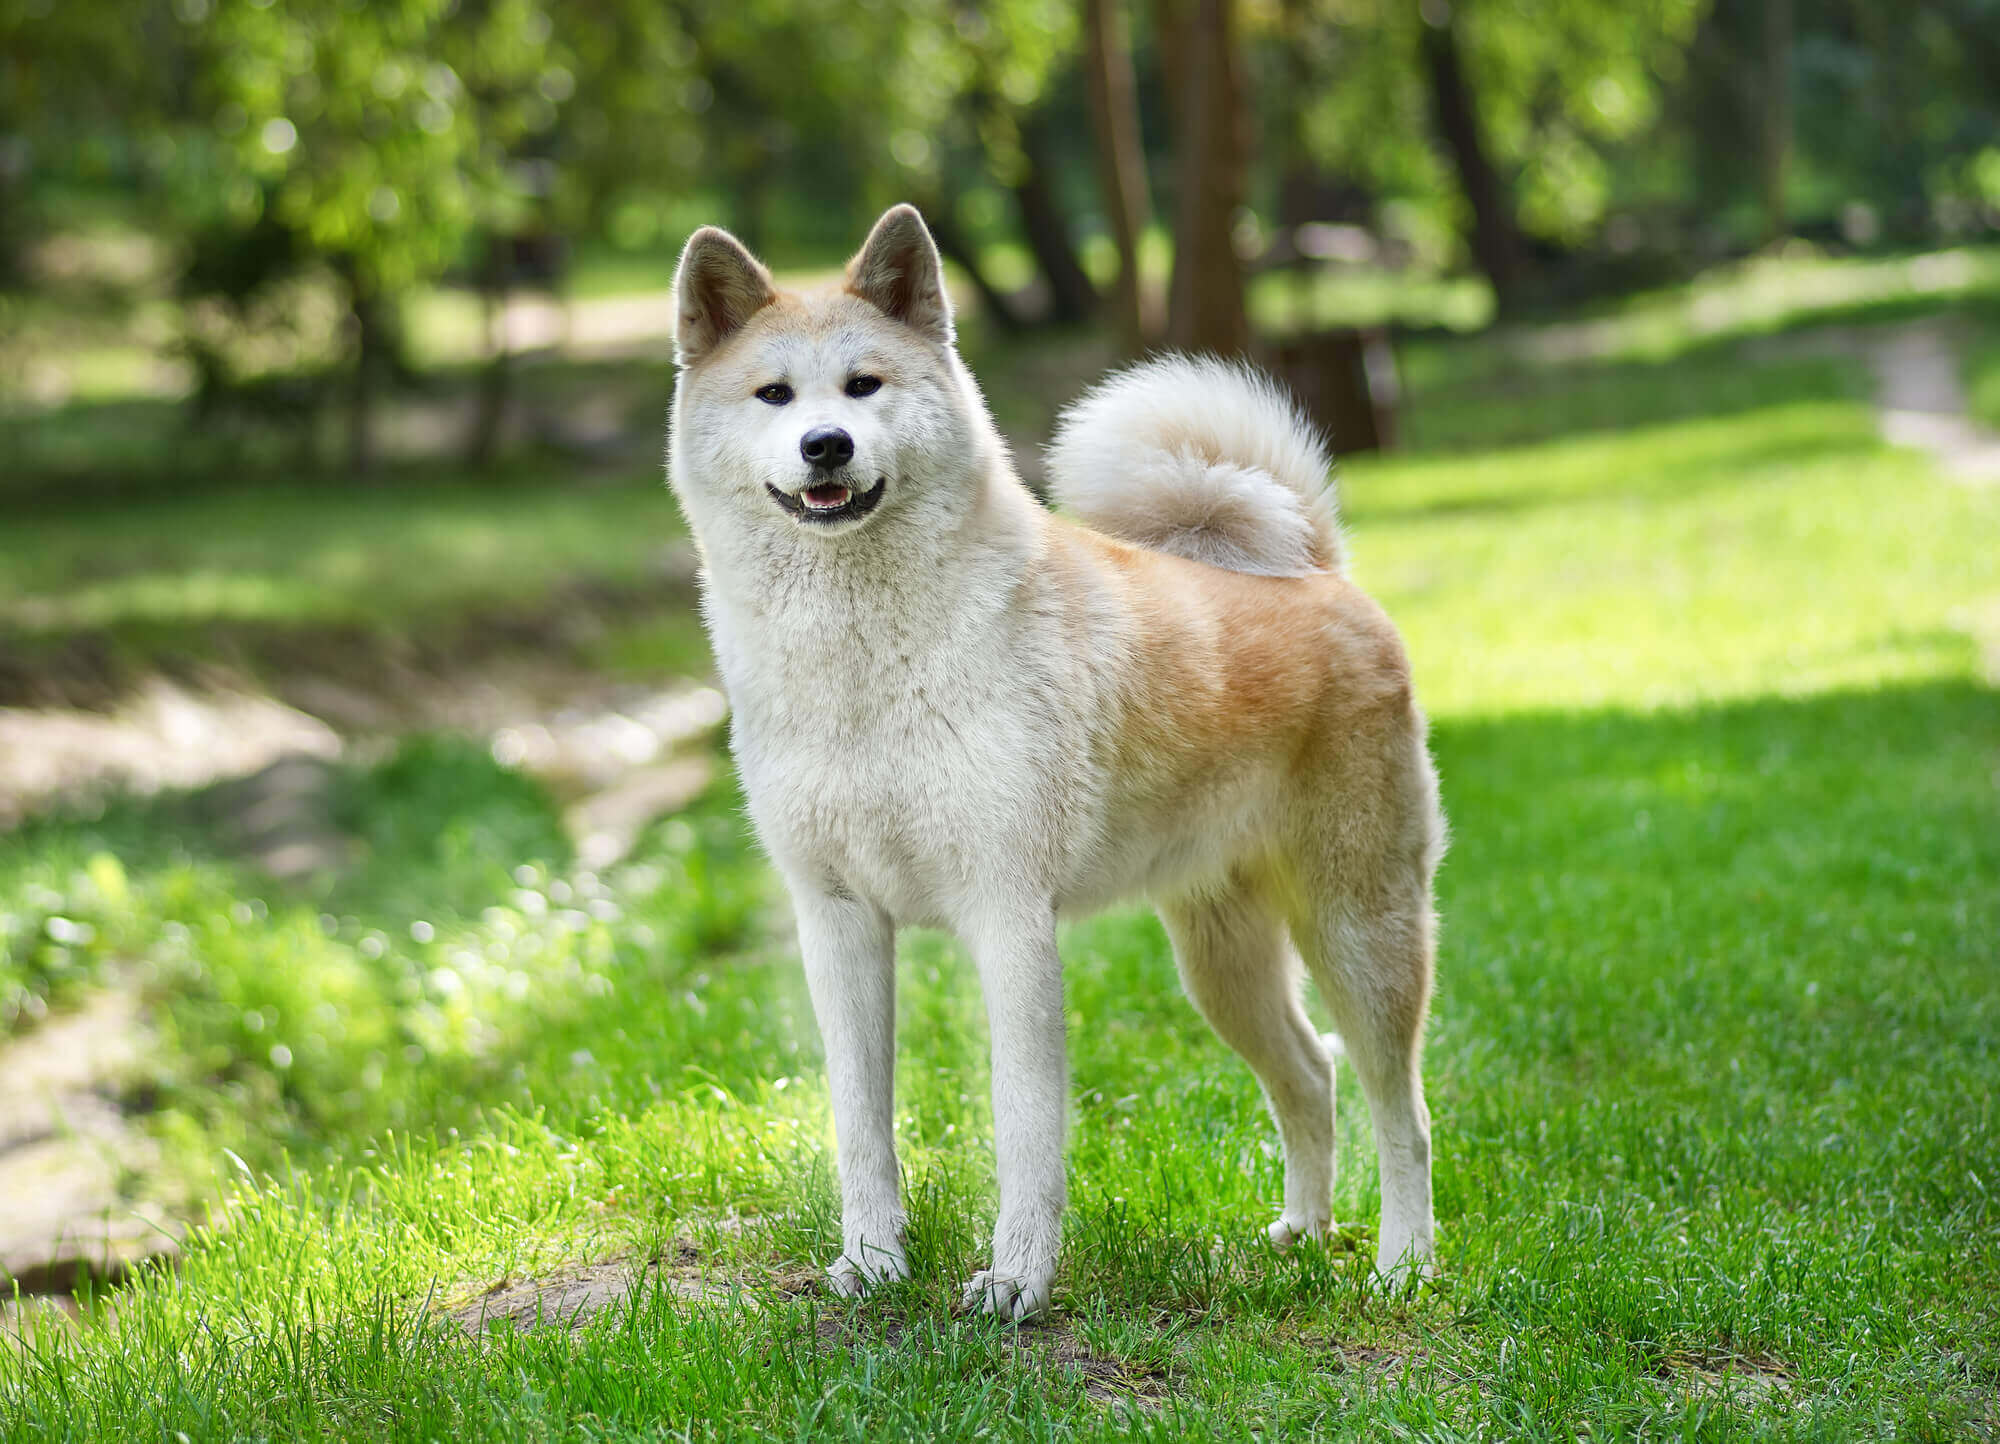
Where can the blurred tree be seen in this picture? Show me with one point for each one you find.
(1006, 123)
(1204, 73)
(1496, 236)
(77, 77)
(1522, 98)
(1121, 163)
(613, 104)
(1774, 135)
(400, 139)
(897, 100)
(353, 129)
(1045, 221)
(1891, 126)
(373, 148)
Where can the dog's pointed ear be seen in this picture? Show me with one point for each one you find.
(899, 273)
(717, 287)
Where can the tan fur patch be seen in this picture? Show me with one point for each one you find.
(1224, 663)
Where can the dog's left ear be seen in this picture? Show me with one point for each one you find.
(717, 287)
(899, 273)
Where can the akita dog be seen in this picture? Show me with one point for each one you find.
(954, 708)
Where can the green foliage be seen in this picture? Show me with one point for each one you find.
(358, 131)
(1556, 83)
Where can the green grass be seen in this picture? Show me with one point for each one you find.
(1714, 1060)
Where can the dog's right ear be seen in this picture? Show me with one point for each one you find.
(717, 287)
(899, 273)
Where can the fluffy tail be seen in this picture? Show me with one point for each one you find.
(1202, 458)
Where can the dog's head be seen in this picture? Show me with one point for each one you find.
(819, 413)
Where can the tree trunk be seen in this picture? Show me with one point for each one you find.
(496, 378)
(1198, 48)
(1295, 165)
(371, 350)
(12, 231)
(1776, 155)
(1071, 296)
(1496, 241)
(1121, 162)
(956, 249)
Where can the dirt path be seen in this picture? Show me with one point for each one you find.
(69, 1152)
(1920, 399)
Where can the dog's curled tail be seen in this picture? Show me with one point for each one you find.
(1205, 459)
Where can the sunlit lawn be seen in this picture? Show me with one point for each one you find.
(1714, 1065)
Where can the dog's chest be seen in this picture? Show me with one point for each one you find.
(892, 770)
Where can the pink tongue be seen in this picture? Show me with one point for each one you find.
(826, 496)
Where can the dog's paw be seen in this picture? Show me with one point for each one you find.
(848, 1279)
(1289, 1229)
(1406, 1272)
(988, 1292)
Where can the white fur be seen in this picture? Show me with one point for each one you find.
(932, 709)
(1201, 458)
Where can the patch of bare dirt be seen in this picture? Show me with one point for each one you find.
(165, 736)
(1746, 1380)
(570, 1298)
(1921, 401)
(70, 1154)
(1041, 1347)
(1377, 1364)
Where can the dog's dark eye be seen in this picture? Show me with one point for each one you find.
(863, 385)
(776, 394)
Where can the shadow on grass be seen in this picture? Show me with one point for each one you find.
(1689, 962)
(647, 626)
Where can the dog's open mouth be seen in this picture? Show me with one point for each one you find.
(830, 501)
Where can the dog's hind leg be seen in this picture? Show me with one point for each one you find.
(1374, 972)
(1365, 927)
(1240, 971)
(1361, 915)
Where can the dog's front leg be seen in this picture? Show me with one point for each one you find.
(1022, 977)
(850, 959)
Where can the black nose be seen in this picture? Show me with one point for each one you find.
(827, 447)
